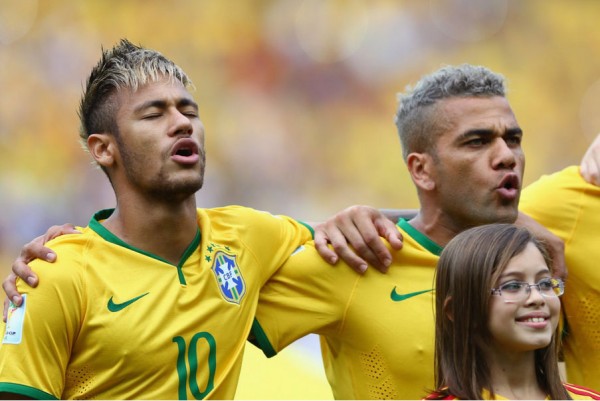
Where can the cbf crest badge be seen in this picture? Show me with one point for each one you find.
(229, 277)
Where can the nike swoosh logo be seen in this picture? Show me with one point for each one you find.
(402, 297)
(113, 307)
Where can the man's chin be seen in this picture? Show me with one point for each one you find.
(509, 216)
(177, 192)
(495, 216)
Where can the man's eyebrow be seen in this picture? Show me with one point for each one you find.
(489, 132)
(187, 102)
(514, 131)
(162, 104)
(478, 132)
(159, 104)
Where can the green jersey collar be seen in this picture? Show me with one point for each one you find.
(110, 237)
(421, 238)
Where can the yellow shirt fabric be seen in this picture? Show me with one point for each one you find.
(110, 321)
(376, 329)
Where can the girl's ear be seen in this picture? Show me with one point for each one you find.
(448, 308)
(103, 149)
(420, 167)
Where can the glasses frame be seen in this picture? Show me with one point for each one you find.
(521, 296)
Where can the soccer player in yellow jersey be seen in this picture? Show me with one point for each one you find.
(461, 144)
(155, 299)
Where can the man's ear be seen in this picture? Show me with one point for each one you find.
(420, 167)
(103, 149)
(448, 310)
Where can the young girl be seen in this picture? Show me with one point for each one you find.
(497, 312)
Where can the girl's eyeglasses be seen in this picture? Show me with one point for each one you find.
(516, 291)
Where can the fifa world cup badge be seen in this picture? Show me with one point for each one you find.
(14, 323)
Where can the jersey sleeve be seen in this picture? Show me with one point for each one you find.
(271, 238)
(307, 295)
(39, 335)
(560, 201)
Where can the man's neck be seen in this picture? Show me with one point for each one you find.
(433, 225)
(162, 229)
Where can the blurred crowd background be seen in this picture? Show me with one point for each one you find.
(297, 96)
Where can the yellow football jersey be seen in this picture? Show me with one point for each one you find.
(110, 321)
(376, 329)
(570, 207)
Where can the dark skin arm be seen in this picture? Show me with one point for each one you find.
(32, 250)
(346, 219)
(371, 230)
(355, 236)
(345, 227)
(369, 250)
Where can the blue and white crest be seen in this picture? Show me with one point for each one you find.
(229, 277)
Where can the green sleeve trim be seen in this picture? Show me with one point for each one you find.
(26, 391)
(259, 339)
(312, 230)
